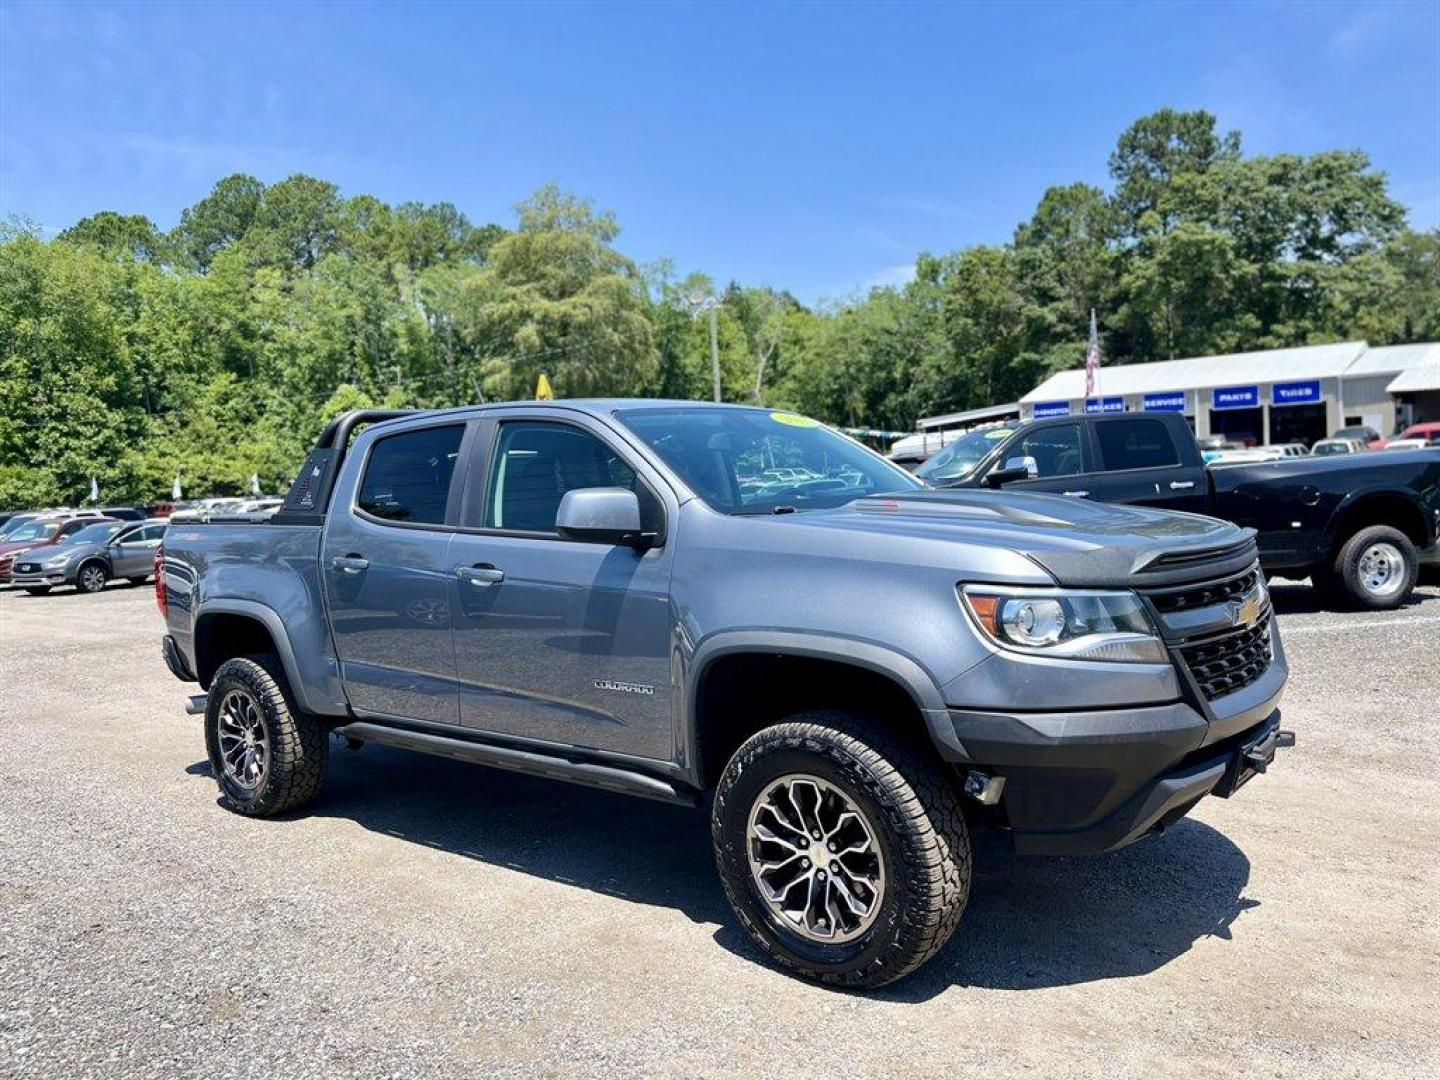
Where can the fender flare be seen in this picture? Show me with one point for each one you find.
(1353, 498)
(272, 622)
(904, 670)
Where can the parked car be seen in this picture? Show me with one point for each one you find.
(1429, 431)
(124, 513)
(1362, 433)
(1290, 449)
(582, 591)
(1330, 447)
(92, 556)
(43, 531)
(1407, 444)
(1358, 525)
(16, 521)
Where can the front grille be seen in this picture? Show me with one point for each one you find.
(26, 567)
(1204, 594)
(1221, 665)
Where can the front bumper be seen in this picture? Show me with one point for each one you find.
(1095, 780)
(30, 579)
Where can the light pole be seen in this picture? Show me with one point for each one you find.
(698, 304)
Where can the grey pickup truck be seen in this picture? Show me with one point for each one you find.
(694, 603)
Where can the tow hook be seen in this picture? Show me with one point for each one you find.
(983, 788)
(1259, 756)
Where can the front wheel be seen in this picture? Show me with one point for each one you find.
(267, 756)
(92, 577)
(844, 852)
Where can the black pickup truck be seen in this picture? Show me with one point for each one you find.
(1358, 525)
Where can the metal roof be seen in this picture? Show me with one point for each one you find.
(990, 412)
(1390, 359)
(1199, 372)
(1415, 379)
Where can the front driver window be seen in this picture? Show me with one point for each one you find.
(537, 462)
(1056, 450)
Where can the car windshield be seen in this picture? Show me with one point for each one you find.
(1354, 433)
(33, 530)
(14, 525)
(959, 459)
(95, 534)
(750, 461)
(1330, 448)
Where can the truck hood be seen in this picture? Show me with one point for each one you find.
(1078, 542)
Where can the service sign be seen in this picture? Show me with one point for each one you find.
(1045, 409)
(1295, 393)
(1171, 402)
(1105, 405)
(1235, 397)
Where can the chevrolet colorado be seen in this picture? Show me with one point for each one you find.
(1358, 525)
(854, 670)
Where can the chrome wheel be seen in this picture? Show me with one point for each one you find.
(244, 741)
(92, 578)
(1382, 570)
(815, 859)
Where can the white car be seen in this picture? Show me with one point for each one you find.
(1326, 447)
(1407, 444)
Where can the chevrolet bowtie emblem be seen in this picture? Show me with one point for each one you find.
(1245, 612)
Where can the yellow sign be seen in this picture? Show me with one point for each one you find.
(793, 419)
(543, 390)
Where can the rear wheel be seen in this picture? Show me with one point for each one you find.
(91, 577)
(268, 757)
(1376, 568)
(843, 851)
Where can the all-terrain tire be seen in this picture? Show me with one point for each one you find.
(920, 829)
(1358, 555)
(297, 744)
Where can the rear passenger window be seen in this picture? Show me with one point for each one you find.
(1135, 444)
(408, 476)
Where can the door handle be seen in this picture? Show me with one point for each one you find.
(481, 575)
(350, 564)
(1077, 494)
(1181, 485)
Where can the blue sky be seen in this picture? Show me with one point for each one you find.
(812, 146)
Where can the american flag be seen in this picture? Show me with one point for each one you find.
(1092, 358)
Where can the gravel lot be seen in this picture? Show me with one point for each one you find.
(437, 919)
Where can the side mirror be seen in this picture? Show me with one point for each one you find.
(1015, 468)
(604, 515)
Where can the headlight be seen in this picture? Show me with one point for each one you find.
(1061, 623)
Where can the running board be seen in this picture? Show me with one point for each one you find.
(607, 777)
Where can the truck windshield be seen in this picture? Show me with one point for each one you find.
(958, 460)
(753, 461)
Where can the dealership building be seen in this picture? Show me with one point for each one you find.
(1274, 396)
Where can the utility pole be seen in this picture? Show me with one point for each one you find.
(698, 304)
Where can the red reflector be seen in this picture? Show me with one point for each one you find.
(161, 600)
